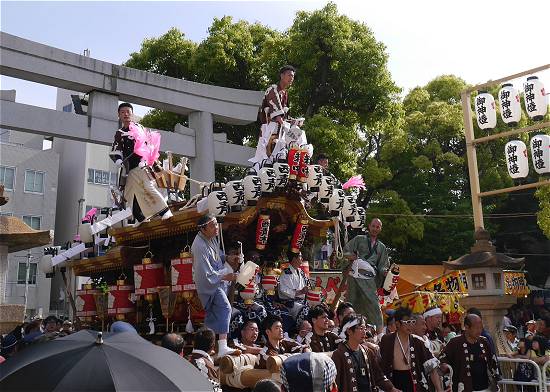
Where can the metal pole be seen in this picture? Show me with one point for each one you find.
(472, 161)
(28, 267)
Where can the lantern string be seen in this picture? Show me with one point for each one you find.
(337, 241)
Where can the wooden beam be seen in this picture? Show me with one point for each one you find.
(531, 128)
(490, 83)
(515, 188)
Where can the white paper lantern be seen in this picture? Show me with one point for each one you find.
(540, 153)
(516, 159)
(235, 195)
(282, 170)
(314, 177)
(336, 202)
(359, 222)
(486, 112)
(510, 105)
(349, 209)
(267, 178)
(536, 101)
(252, 188)
(217, 203)
(325, 190)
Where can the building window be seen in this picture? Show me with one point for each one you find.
(33, 221)
(479, 282)
(101, 177)
(5, 135)
(68, 108)
(90, 176)
(7, 177)
(497, 277)
(22, 273)
(34, 181)
(6, 213)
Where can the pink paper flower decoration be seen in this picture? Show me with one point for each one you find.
(354, 182)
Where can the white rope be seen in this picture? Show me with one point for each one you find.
(337, 241)
(220, 238)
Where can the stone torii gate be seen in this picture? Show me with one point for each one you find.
(108, 83)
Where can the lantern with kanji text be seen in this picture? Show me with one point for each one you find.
(510, 106)
(235, 195)
(536, 100)
(252, 188)
(294, 162)
(486, 112)
(262, 231)
(325, 190)
(299, 236)
(349, 209)
(516, 159)
(314, 177)
(282, 170)
(540, 153)
(305, 159)
(336, 202)
(359, 221)
(267, 178)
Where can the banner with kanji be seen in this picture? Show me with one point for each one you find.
(454, 281)
(515, 284)
(420, 301)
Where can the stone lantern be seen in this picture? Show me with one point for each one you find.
(484, 269)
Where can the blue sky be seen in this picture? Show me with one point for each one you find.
(476, 40)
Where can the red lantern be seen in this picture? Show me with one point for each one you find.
(120, 302)
(262, 231)
(182, 273)
(299, 235)
(314, 297)
(85, 302)
(294, 162)
(248, 293)
(147, 277)
(269, 282)
(304, 165)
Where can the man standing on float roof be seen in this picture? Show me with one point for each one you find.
(362, 293)
(212, 277)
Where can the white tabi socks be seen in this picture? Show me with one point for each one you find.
(223, 349)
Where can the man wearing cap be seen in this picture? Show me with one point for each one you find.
(510, 332)
(433, 317)
(309, 372)
(362, 293)
(212, 277)
(531, 329)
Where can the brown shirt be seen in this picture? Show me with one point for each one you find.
(273, 107)
(421, 361)
(456, 354)
(323, 343)
(202, 361)
(346, 377)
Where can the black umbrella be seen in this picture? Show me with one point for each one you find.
(87, 361)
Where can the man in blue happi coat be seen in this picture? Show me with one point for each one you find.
(212, 275)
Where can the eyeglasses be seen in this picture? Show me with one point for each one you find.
(408, 322)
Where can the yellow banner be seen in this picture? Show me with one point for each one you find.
(452, 282)
(515, 284)
(420, 301)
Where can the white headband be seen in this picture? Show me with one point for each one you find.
(432, 312)
(347, 326)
